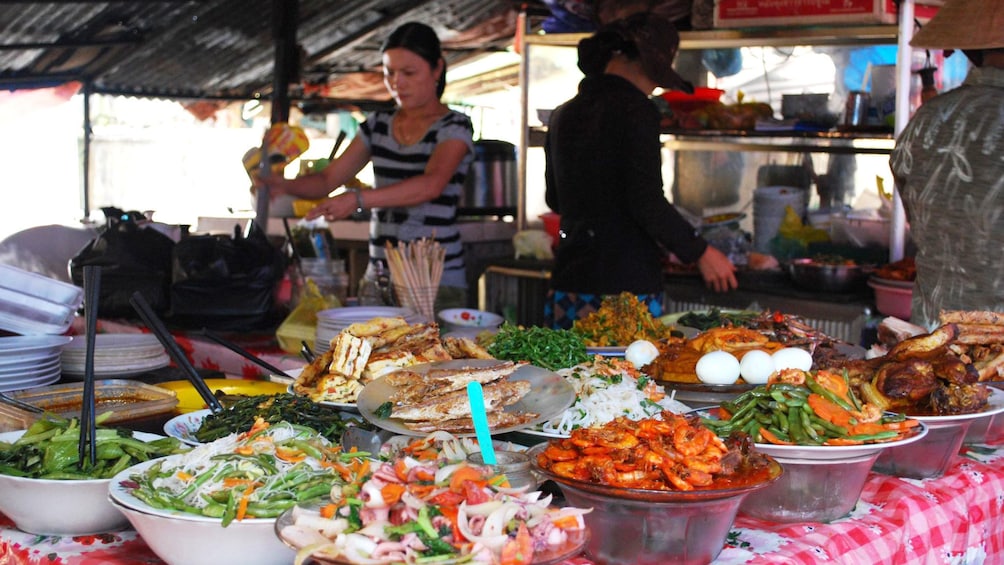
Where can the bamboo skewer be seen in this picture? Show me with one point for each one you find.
(416, 268)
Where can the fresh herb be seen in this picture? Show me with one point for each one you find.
(543, 347)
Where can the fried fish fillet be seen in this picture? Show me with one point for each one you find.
(455, 404)
(413, 387)
(495, 420)
(465, 348)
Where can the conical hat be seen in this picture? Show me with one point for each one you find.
(964, 24)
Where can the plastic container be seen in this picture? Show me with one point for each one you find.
(811, 490)
(42, 287)
(28, 314)
(681, 102)
(514, 465)
(125, 399)
(894, 301)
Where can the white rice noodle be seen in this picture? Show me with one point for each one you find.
(599, 401)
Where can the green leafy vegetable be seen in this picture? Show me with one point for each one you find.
(543, 347)
(241, 415)
(48, 450)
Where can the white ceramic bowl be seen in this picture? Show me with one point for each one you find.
(186, 539)
(456, 319)
(57, 507)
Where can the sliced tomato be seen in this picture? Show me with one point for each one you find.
(518, 550)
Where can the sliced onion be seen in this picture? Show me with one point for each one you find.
(375, 497)
(484, 508)
(494, 543)
(444, 473)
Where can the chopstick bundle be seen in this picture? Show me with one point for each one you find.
(87, 446)
(416, 267)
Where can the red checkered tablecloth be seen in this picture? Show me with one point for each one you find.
(954, 519)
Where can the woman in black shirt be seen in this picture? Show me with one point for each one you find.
(603, 174)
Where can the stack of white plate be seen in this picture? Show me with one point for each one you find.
(115, 355)
(30, 361)
(332, 321)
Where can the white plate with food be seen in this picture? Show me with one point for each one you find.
(548, 396)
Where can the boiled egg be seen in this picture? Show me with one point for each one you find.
(718, 368)
(756, 367)
(792, 358)
(641, 353)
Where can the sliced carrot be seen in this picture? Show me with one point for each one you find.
(724, 414)
(242, 506)
(328, 510)
(842, 441)
(184, 476)
(463, 474)
(829, 410)
(424, 475)
(401, 469)
(835, 384)
(391, 492)
(291, 455)
(903, 426)
(421, 491)
(244, 450)
(232, 482)
(867, 428)
(771, 438)
(568, 522)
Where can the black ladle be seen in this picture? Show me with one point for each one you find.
(174, 350)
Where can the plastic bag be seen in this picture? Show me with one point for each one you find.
(301, 323)
(225, 283)
(133, 258)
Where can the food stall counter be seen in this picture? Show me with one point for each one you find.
(955, 518)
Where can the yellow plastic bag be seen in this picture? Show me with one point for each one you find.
(301, 323)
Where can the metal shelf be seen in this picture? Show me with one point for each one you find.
(767, 37)
(833, 142)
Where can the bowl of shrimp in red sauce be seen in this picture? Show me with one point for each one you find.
(663, 489)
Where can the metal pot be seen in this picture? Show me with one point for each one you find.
(491, 182)
(812, 275)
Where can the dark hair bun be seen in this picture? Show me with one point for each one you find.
(596, 50)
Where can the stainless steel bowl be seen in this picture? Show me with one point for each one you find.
(811, 490)
(813, 275)
(653, 527)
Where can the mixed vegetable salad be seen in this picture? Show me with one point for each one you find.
(256, 474)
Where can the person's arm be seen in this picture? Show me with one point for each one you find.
(442, 165)
(320, 184)
(657, 216)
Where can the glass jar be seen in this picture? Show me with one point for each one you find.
(514, 465)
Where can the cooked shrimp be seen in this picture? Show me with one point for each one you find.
(789, 376)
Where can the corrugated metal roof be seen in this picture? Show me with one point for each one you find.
(224, 49)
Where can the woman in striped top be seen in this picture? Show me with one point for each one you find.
(421, 152)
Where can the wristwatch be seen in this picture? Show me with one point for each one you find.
(360, 209)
